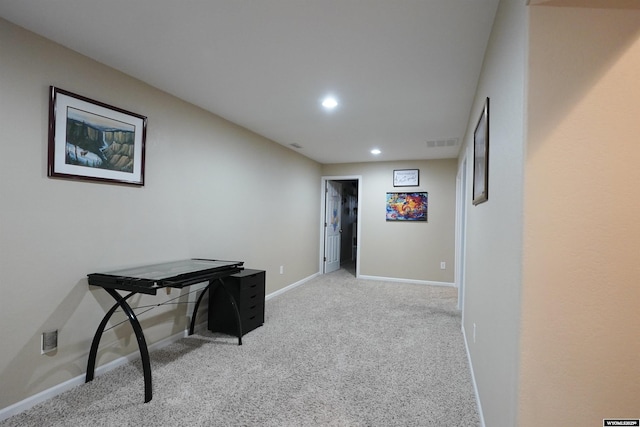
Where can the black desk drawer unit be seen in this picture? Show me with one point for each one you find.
(247, 288)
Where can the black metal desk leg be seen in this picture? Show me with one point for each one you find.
(195, 309)
(91, 364)
(137, 329)
(235, 309)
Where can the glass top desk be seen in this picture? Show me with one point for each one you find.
(147, 280)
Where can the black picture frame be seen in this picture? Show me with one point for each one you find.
(481, 157)
(406, 177)
(93, 141)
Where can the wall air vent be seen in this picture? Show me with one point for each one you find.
(448, 142)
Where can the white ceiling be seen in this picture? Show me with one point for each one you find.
(405, 71)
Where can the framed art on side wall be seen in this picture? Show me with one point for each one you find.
(90, 140)
(481, 157)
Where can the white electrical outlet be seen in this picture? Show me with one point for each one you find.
(282, 269)
(443, 265)
(474, 333)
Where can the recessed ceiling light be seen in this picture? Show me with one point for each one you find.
(375, 151)
(330, 103)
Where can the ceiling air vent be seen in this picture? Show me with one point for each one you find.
(450, 142)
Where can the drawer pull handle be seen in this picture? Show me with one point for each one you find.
(252, 307)
(252, 317)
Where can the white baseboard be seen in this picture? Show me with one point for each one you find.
(44, 395)
(413, 281)
(473, 378)
(291, 286)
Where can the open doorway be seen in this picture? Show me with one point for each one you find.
(340, 225)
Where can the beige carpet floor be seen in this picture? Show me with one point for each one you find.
(336, 351)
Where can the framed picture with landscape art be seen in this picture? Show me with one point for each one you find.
(90, 140)
(481, 157)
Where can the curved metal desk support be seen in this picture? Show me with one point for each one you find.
(232, 300)
(147, 280)
(142, 343)
(192, 326)
(121, 302)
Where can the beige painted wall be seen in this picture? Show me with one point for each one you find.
(580, 318)
(212, 189)
(494, 228)
(405, 250)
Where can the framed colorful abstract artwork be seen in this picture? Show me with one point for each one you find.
(90, 140)
(407, 206)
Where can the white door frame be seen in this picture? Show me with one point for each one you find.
(323, 186)
(461, 230)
